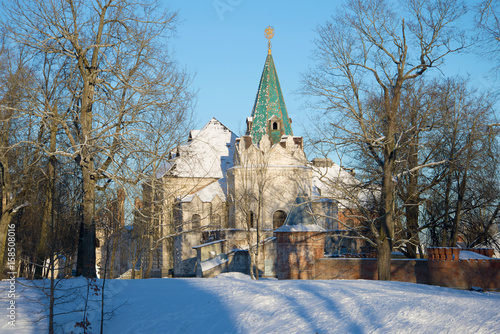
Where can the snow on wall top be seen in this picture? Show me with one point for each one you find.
(300, 228)
(208, 153)
(468, 255)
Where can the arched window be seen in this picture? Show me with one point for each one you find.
(275, 126)
(279, 218)
(195, 221)
(250, 220)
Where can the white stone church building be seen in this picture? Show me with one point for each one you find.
(239, 190)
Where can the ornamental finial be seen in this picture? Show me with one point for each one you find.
(269, 33)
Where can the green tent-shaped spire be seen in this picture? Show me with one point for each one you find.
(269, 115)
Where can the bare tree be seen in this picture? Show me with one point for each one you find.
(371, 49)
(468, 181)
(162, 135)
(122, 75)
(18, 162)
(488, 21)
(249, 185)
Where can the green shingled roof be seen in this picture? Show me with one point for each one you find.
(268, 103)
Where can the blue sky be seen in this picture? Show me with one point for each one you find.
(223, 43)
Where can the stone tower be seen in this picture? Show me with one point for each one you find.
(270, 169)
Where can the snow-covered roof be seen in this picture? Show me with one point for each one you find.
(214, 262)
(209, 243)
(325, 177)
(193, 134)
(208, 153)
(162, 170)
(207, 194)
(333, 182)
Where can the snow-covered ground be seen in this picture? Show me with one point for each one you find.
(233, 303)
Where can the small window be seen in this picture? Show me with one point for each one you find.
(250, 220)
(196, 221)
(275, 126)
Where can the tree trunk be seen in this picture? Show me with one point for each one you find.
(412, 211)
(385, 242)
(8, 205)
(52, 293)
(147, 274)
(150, 212)
(86, 251)
(458, 213)
(386, 237)
(259, 222)
(111, 265)
(50, 228)
(412, 196)
(252, 260)
(384, 261)
(444, 238)
(4, 227)
(47, 220)
(168, 243)
(89, 72)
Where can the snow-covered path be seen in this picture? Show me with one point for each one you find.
(232, 303)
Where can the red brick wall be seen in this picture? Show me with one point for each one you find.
(300, 256)
(297, 252)
(465, 274)
(413, 271)
(348, 217)
(443, 269)
(450, 271)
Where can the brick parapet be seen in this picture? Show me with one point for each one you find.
(443, 253)
(489, 252)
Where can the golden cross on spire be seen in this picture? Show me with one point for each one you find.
(269, 33)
